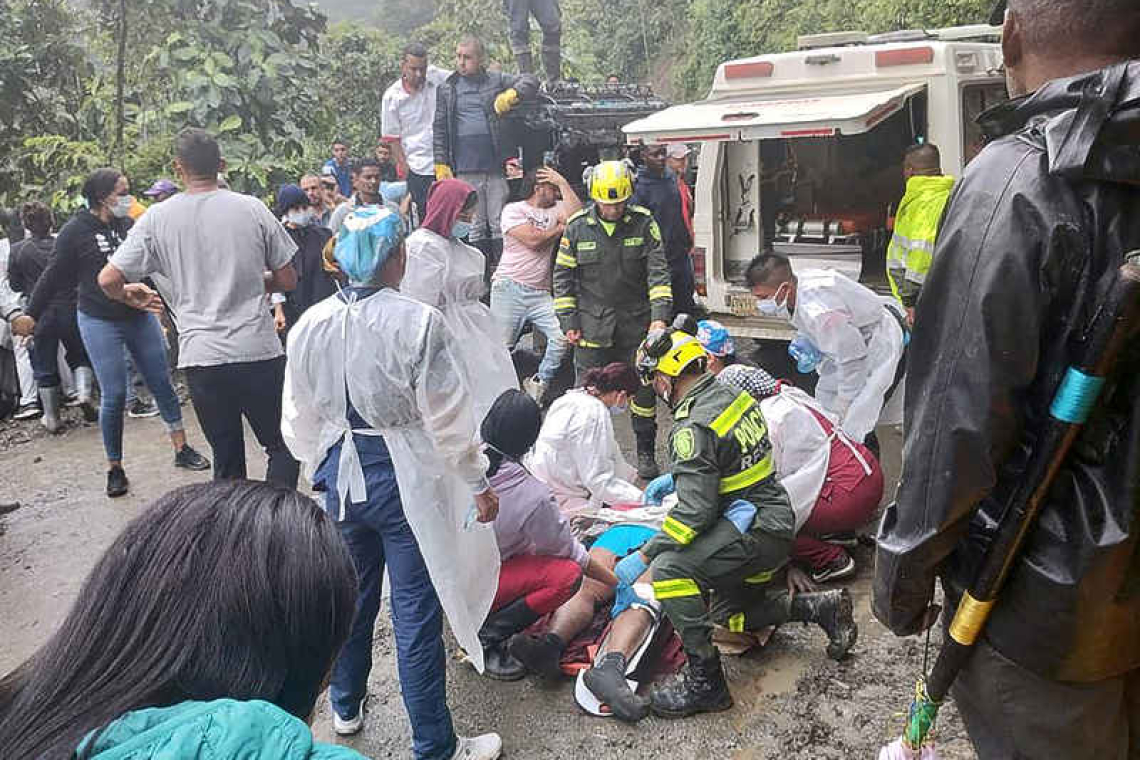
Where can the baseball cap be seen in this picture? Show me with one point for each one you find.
(715, 338)
(159, 187)
(678, 150)
(289, 196)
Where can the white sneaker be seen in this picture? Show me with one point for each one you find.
(485, 747)
(534, 388)
(349, 726)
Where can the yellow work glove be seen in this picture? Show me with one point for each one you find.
(507, 100)
(443, 171)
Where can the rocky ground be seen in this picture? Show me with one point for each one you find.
(791, 701)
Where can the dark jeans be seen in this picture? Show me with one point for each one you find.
(546, 13)
(378, 536)
(681, 274)
(58, 324)
(225, 393)
(418, 186)
(105, 340)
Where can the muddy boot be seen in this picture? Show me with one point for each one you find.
(702, 688)
(85, 391)
(500, 626)
(647, 458)
(50, 400)
(831, 611)
(540, 654)
(606, 679)
(525, 61)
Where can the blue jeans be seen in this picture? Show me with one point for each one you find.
(105, 340)
(377, 535)
(515, 304)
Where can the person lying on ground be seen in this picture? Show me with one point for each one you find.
(577, 454)
(834, 484)
(542, 563)
(205, 632)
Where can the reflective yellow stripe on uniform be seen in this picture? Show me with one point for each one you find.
(736, 622)
(730, 416)
(678, 531)
(565, 260)
(657, 292)
(642, 411)
(762, 577)
(751, 476)
(583, 343)
(566, 302)
(675, 588)
(587, 245)
(633, 242)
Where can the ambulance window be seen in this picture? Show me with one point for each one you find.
(976, 98)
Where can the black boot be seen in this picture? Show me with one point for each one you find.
(525, 62)
(500, 626)
(701, 688)
(539, 654)
(831, 611)
(552, 60)
(606, 679)
(647, 468)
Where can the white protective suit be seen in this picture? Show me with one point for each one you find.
(448, 274)
(862, 344)
(397, 360)
(801, 449)
(578, 457)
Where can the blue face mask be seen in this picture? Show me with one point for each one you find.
(460, 229)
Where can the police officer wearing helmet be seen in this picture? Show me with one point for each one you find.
(730, 532)
(612, 285)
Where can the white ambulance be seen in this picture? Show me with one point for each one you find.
(804, 150)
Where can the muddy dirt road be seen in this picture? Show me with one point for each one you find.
(791, 701)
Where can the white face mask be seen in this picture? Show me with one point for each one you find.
(618, 410)
(122, 206)
(300, 218)
(770, 307)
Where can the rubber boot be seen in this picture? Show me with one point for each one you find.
(497, 629)
(831, 611)
(552, 62)
(525, 62)
(702, 688)
(606, 679)
(85, 390)
(539, 654)
(647, 468)
(50, 400)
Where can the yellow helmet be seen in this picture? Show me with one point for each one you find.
(611, 182)
(668, 353)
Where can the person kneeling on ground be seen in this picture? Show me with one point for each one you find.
(576, 453)
(214, 653)
(542, 562)
(834, 484)
(730, 532)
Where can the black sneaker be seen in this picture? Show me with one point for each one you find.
(189, 459)
(840, 567)
(142, 409)
(117, 483)
(27, 412)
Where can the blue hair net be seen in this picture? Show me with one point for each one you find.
(365, 241)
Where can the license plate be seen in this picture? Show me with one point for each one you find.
(742, 304)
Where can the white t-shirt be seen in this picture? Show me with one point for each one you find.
(408, 117)
(527, 266)
(214, 248)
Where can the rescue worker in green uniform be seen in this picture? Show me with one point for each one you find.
(729, 534)
(611, 286)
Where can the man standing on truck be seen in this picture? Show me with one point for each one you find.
(611, 286)
(656, 189)
(860, 335)
(1031, 242)
(911, 249)
(468, 138)
(549, 18)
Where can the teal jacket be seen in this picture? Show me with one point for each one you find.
(224, 729)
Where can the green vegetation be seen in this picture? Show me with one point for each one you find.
(112, 81)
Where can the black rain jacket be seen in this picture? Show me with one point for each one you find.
(492, 84)
(1029, 246)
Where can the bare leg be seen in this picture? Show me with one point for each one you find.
(575, 616)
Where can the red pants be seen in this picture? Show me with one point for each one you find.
(546, 582)
(847, 502)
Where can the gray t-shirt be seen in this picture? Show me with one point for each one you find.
(212, 251)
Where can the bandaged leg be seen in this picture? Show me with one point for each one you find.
(606, 689)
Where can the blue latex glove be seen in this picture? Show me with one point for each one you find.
(741, 513)
(805, 353)
(632, 567)
(658, 489)
(626, 597)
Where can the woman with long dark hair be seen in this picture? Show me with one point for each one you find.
(213, 619)
(110, 328)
